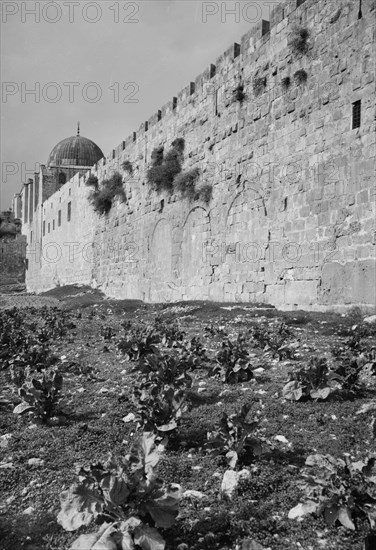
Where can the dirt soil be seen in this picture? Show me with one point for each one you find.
(97, 396)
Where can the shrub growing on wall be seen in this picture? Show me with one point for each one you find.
(259, 85)
(285, 82)
(127, 167)
(205, 193)
(165, 167)
(239, 94)
(299, 40)
(102, 197)
(185, 183)
(92, 181)
(300, 76)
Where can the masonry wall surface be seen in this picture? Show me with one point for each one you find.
(292, 217)
(12, 254)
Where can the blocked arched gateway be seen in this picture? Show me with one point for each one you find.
(246, 240)
(194, 270)
(161, 262)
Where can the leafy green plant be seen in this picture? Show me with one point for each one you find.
(232, 362)
(192, 354)
(234, 437)
(277, 341)
(40, 395)
(299, 40)
(185, 183)
(340, 490)
(300, 76)
(169, 332)
(311, 381)
(35, 358)
(125, 493)
(348, 368)
(137, 345)
(355, 340)
(161, 395)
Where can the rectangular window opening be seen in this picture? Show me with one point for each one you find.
(59, 218)
(44, 228)
(265, 27)
(356, 114)
(69, 211)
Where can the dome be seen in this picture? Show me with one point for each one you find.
(75, 151)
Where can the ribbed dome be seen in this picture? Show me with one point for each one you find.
(76, 151)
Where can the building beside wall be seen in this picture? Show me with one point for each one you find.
(280, 133)
(12, 254)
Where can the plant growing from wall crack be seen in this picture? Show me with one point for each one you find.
(299, 40)
(259, 85)
(300, 76)
(102, 196)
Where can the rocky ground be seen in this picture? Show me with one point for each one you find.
(95, 416)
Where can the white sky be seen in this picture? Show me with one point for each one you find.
(166, 47)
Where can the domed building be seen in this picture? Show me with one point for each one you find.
(71, 155)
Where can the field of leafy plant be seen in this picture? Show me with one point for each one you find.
(189, 426)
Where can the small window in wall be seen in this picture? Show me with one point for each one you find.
(265, 27)
(49, 228)
(69, 211)
(44, 228)
(59, 218)
(70, 192)
(31, 237)
(62, 178)
(356, 114)
(161, 206)
(53, 225)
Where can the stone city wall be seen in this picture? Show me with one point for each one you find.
(291, 221)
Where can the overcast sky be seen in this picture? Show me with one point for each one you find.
(154, 48)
